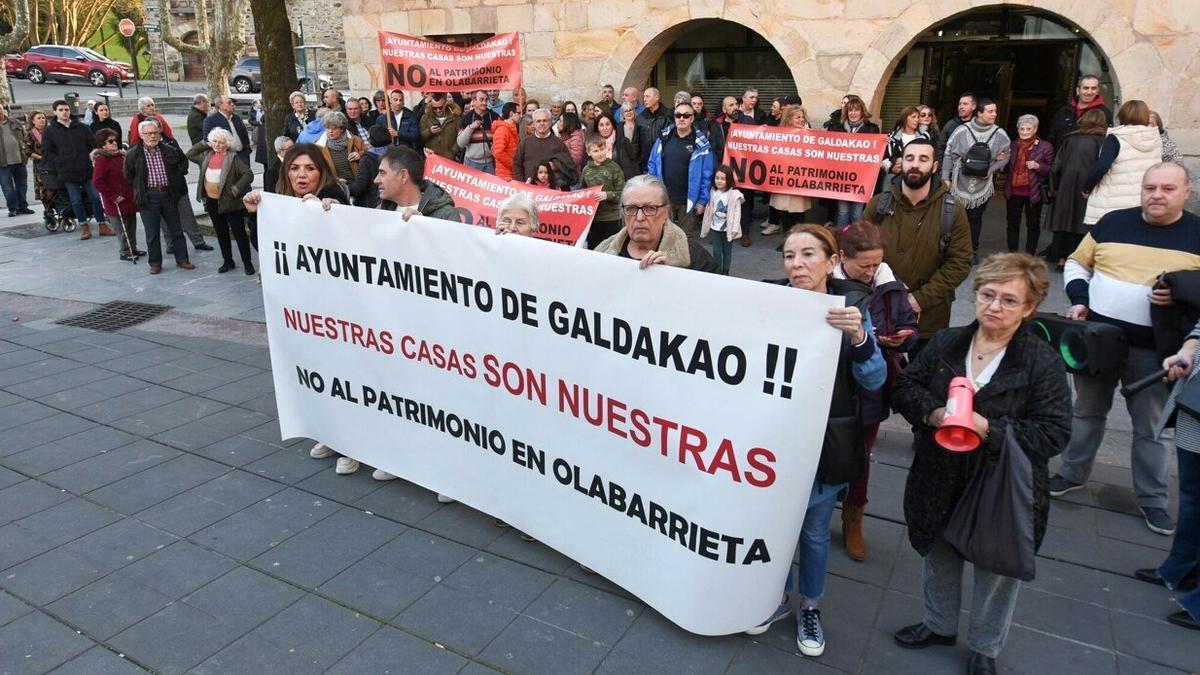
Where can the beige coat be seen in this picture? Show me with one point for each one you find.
(1121, 187)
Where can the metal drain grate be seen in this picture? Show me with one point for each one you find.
(30, 231)
(114, 316)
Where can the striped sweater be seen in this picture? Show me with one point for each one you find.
(1115, 267)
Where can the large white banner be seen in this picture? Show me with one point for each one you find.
(660, 426)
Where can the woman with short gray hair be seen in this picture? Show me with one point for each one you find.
(342, 149)
(1029, 161)
(224, 180)
(517, 214)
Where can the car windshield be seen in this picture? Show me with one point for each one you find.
(250, 63)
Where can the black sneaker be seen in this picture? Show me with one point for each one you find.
(203, 247)
(1060, 486)
(1158, 520)
(25, 211)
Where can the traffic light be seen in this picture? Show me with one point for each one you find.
(1087, 347)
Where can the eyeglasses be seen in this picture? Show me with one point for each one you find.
(1007, 303)
(648, 210)
(683, 116)
(112, 141)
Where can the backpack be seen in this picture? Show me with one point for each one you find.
(884, 208)
(979, 156)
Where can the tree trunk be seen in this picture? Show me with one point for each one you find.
(273, 35)
(220, 43)
(12, 41)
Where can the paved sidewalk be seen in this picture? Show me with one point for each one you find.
(152, 519)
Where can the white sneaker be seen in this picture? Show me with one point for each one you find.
(783, 610)
(810, 637)
(771, 228)
(346, 465)
(443, 499)
(321, 451)
(380, 474)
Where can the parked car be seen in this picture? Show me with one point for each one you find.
(246, 77)
(62, 63)
(14, 66)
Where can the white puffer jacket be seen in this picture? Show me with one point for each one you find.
(1121, 187)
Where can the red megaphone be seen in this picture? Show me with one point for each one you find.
(957, 432)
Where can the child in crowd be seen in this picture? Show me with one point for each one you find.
(545, 177)
(723, 217)
(603, 172)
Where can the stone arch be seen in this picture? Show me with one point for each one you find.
(638, 49)
(193, 64)
(1102, 21)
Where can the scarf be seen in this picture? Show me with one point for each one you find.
(610, 144)
(378, 151)
(338, 144)
(854, 129)
(1099, 101)
(971, 191)
(37, 135)
(1020, 172)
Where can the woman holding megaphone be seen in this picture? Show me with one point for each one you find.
(1015, 390)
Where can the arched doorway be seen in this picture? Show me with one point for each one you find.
(193, 64)
(714, 58)
(1026, 59)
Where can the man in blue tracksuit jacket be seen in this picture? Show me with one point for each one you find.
(682, 157)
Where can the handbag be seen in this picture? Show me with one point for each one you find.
(992, 525)
(1189, 397)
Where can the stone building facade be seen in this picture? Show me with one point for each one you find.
(1152, 47)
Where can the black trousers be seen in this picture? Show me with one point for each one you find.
(224, 223)
(975, 218)
(601, 230)
(1018, 207)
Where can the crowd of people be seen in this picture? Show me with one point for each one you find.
(1115, 195)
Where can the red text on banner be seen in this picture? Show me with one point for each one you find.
(807, 162)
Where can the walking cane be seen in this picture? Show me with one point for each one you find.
(129, 250)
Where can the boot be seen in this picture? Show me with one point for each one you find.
(852, 534)
(106, 231)
(85, 231)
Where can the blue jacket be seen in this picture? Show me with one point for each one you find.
(700, 167)
(409, 130)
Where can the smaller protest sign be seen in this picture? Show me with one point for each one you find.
(414, 64)
(565, 216)
(807, 162)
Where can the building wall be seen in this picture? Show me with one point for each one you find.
(833, 46)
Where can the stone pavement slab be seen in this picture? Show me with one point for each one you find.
(148, 526)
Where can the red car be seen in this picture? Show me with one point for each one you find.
(14, 66)
(60, 63)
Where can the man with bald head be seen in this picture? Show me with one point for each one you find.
(653, 118)
(1112, 278)
(632, 96)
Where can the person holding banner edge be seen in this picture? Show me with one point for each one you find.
(809, 259)
(648, 235)
(1021, 392)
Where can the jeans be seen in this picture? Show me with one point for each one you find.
(1093, 400)
(14, 183)
(814, 540)
(486, 167)
(993, 599)
(722, 250)
(975, 218)
(75, 194)
(158, 211)
(1018, 206)
(1185, 550)
(849, 212)
(223, 223)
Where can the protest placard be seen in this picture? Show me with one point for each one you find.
(591, 404)
(565, 216)
(415, 64)
(806, 162)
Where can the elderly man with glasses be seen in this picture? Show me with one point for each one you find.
(648, 236)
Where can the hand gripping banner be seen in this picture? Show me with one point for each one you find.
(594, 405)
(414, 64)
(807, 162)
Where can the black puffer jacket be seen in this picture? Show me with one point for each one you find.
(66, 151)
(1028, 396)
